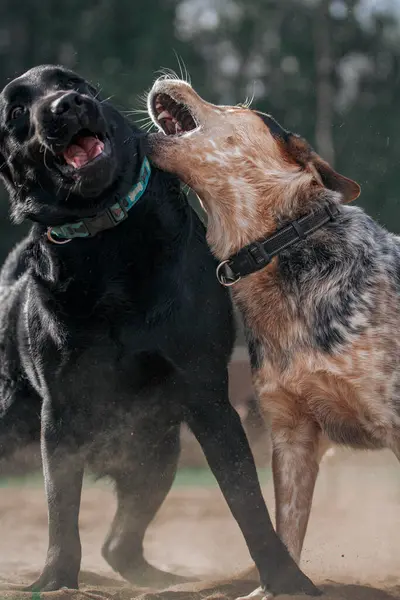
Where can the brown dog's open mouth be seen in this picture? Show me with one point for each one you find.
(84, 148)
(174, 118)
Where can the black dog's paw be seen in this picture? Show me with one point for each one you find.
(286, 581)
(292, 581)
(49, 581)
(261, 593)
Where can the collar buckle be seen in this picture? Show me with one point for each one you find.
(225, 275)
(59, 242)
(106, 220)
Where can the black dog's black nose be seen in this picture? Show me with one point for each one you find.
(71, 101)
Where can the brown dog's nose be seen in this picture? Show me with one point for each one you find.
(71, 101)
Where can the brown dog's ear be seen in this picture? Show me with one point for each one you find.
(349, 189)
(303, 154)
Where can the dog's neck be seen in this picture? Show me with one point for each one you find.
(244, 211)
(152, 228)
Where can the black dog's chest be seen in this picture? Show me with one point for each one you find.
(115, 392)
(111, 354)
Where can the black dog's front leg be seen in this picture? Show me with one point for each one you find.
(63, 473)
(218, 429)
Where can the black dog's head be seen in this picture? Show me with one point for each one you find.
(64, 154)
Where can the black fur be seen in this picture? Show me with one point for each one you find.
(109, 343)
(256, 349)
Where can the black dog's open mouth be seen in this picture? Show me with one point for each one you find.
(174, 118)
(83, 149)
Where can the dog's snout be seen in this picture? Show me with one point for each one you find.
(69, 102)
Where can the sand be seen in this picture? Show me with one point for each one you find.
(352, 548)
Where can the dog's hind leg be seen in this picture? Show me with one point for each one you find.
(141, 489)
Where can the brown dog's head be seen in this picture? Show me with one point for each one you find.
(243, 165)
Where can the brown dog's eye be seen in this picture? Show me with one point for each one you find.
(17, 112)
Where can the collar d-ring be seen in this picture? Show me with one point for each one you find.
(58, 242)
(223, 277)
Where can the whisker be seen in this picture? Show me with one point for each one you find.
(149, 127)
(167, 73)
(68, 195)
(142, 99)
(107, 99)
(135, 111)
(146, 126)
(179, 64)
(9, 159)
(188, 79)
(249, 101)
(182, 68)
(59, 188)
(44, 156)
(98, 93)
(144, 120)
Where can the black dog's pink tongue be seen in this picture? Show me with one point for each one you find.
(83, 150)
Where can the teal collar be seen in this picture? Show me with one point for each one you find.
(111, 217)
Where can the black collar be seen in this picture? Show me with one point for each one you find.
(258, 255)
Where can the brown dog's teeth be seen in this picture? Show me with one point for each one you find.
(174, 117)
(164, 115)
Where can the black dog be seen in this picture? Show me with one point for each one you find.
(111, 336)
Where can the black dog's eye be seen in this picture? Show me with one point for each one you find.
(70, 84)
(17, 112)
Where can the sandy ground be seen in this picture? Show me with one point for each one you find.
(352, 548)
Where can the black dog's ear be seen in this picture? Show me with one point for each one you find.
(303, 154)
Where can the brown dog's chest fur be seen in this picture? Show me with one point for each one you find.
(349, 394)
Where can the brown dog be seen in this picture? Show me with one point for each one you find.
(318, 284)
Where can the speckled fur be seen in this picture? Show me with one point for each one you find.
(322, 319)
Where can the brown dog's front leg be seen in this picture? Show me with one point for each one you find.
(295, 470)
